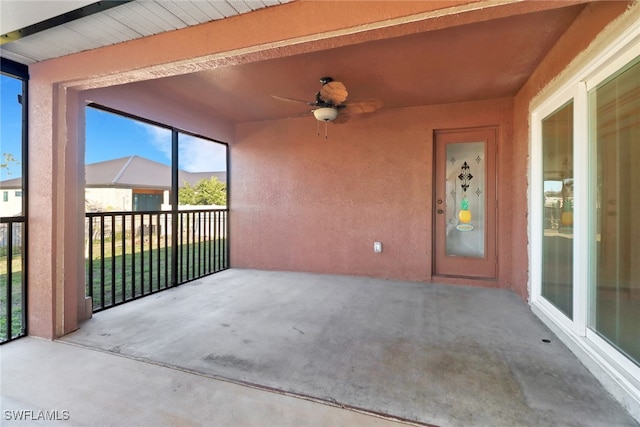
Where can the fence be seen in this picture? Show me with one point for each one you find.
(13, 291)
(133, 254)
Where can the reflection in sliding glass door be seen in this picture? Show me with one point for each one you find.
(615, 134)
(557, 239)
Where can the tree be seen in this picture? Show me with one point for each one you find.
(8, 160)
(205, 192)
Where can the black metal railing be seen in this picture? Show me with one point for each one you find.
(13, 289)
(132, 254)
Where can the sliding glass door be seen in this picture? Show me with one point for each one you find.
(585, 210)
(614, 117)
(557, 221)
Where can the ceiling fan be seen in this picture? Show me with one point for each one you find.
(331, 103)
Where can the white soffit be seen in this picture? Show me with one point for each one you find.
(17, 14)
(124, 22)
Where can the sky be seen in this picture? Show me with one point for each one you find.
(110, 136)
(10, 126)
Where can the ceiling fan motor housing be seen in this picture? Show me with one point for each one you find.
(325, 114)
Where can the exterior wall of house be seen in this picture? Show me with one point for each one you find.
(371, 180)
(109, 199)
(10, 201)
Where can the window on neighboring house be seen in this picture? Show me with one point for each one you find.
(5, 196)
(147, 202)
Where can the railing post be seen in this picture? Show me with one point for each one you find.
(123, 238)
(102, 294)
(90, 256)
(133, 255)
(12, 230)
(174, 207)
(166, 250)
(9, 299)
(113, 259)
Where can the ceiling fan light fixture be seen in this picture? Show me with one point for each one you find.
(325, 114)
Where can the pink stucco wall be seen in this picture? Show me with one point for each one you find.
(300, 202)
(305, 204)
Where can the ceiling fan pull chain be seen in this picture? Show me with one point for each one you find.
(318, 129)
(326, 123)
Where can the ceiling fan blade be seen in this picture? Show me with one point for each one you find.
(343, 117)
(299, 101)
(334, 93)
(364, 106)
(308, 113)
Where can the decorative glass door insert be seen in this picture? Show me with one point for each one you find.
(465, 178)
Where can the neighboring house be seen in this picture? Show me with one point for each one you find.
(529, 91)
(11, 197)
(126, 184)
(135, 183)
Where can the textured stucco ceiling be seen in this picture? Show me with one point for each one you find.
(472, 61)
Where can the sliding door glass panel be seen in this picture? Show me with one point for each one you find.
(615, 136)
(557, 238)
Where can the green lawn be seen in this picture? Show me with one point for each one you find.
(16, 297)
(135, 273)
(131, 275)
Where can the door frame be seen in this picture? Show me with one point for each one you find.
(485, 268)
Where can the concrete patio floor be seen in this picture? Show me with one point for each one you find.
(246, 347)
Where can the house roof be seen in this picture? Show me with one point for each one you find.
(11, 183)
(139, 172)
(132, 172)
